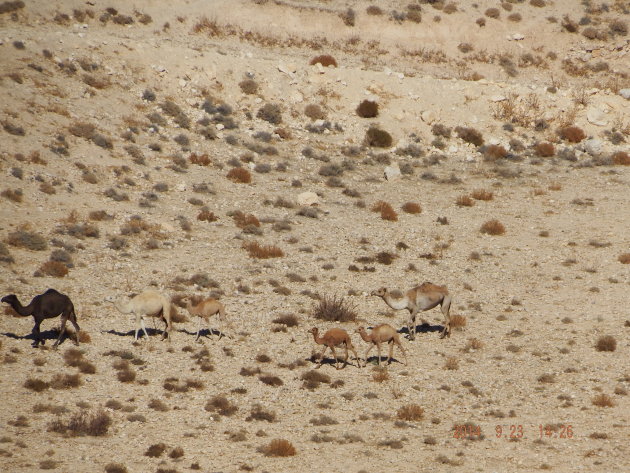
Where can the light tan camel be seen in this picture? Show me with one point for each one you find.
(333, 338)
(150, 303)
(204, 310)
(423, 297)
(383, 333)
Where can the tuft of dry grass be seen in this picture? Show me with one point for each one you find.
(412, 208)
(451, 363)
(492, 227)
(55, 269)
(240, 175)
(378, 138)
(259, 413)
(221, 405)
(367, 109)
(82, 423)
(324, 59)
(410, 413)
(464, 201)
(386, 210)
(36, 385)
(29, 240)
(66, 381)
(603, 400)
(156, 450)
(621, 158)
(16, 195)
(200, 159)
(573, 134)
(278, 448)
(289, 320)
(606, 343)
(334, 309)
(115, 468)
(256, 250)
(624, 258)
(470, 135)
(544, 150)
(458, 321)
(494, 152)
(482, 194)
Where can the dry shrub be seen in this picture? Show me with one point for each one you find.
(515, 17)
(603, 400)
(492, 13)
(271, 380)
(256, 250)
(410, 412)
(207, 216)
(544, 149)
(259, 413)
(469, 135)
(66, 381)
(334, 309)
(16, 195)
(126, 375)
(158, 405)
(492, 227)
(279, 448)
(547, 378)
(367, 109)
(621, 158)
(481, 194)
(73, 356)
(177, 452)
(494, 152)
(82, 423)
(412, 208)
(156, 450)
(312, 379)
(458, 321)
(270, 112)
(55, 269)
(290, 320)
(378, 138)
(386, 210)
(374, 10)
(221, 405)
(464, 201)
(572, 134)
(606, 343)
(240, 175)
(324, 59)
(624, 258)
(380, 374)
(200, 159)
(248, 86)
(537, 3)
(36, 385)
(243, 220)
(451, 363)
(115, 468)
(314, 112)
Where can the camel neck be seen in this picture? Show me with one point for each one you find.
(20, 309)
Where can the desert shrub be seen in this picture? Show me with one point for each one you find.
(158, 405)
(289, 320)
(606, 343)
(82, 423)
(65, 381)
(569, 25)
(28, 240)
(324, 59)
(207, 216)
(603, 400)
(55, 269)
(621, 158)
(36, 385)
(386, 210)
(243, 220)
(271, 380)
(493, 227)
(334, 309)
(240, 175)
(515, 17)
(16, 195)
(451, 363)
(248, 86)
(546, 378)
(173, 110)
(537, 3)
(544, 149)
(314, 112)
(367, 109)
(11, 6)
(572, 134)
(256, 250)
(271, 113)
(378, 138)
(464, 201)
(259, 413)
(492, 13)
(156, 450)
(221, 405)
(5, 255)
(624, 258)
(115, 468)
(410, 412)
(482, 194)
(278, 448)
(469, 135)
(412, 208)
(493, 152)
(618, 27)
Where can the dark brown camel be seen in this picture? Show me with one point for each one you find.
(46, 306)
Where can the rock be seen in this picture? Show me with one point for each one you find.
(518, 37)
(428, 117)
(596, 116)
(296, 97)
(593, 146)
(288, 69)
(307, 198)
(498, 98)
(625, 93)
(392, 172)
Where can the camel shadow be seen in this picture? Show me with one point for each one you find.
(422, 328)
(132, 333)
(329, 361)
(44, 335)
(204, 333)
(373, 360)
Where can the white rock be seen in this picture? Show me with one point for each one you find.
(296, 97)
(220, 126)
(307, 198)
(320, 68)
(453, 149)
(181, 187)
(498, 98)
(596, 116)
(392, 172)
(518, 37)
(593, 146)
(288, 69)
(428, 117)
(625, 93)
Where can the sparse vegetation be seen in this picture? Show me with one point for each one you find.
(493, 227)
(606, 343)
(334, 309)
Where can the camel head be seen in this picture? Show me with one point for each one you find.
(10, 299)
(110, 299)
(379, 292)
(360, 329)
(314, 331)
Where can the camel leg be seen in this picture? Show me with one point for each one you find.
(62, 330)
(378, 348)
(356, 356)
(165, 333)
(335, 356)
(198, 328)
(412, 325)
(144, 329)
(73, 320)
(345, 361)
(36, 335)
(321, 358)
(446, 308)
(391, 351)
(367, 353)
(402, 350)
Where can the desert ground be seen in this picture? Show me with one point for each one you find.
(287, 158)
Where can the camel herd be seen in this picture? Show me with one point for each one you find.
(152, 303)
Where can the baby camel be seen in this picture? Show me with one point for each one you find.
(46, 306)
(204, 310)
(423, 297)
(150, 303)
(333, 338)
(383, 333)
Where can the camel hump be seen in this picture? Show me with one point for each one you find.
(52, 291)
(430, 287)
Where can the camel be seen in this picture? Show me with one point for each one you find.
(204, 310)
(48, 305)
(379, 334)
(423, 297)
(150, 303)
(333, 338)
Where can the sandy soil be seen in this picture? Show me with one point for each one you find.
(141, 113)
